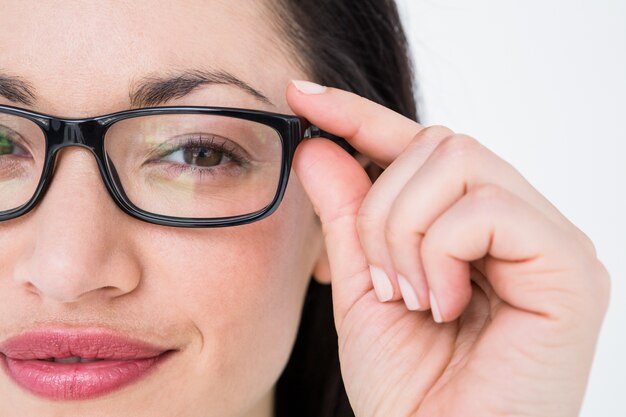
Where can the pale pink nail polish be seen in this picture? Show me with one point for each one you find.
(408, 293)
(435, 308)
(307, 87)
(382, 284)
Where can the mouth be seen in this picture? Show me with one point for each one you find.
(63, 366)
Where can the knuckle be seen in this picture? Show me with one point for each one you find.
(367, 221)
(434, 132)
(594, 283)
(602, 284)
(490, 195)
(395, 234)
(586, 242)
(460, 152)
(582, 294)
(460, 147)
(586, 301)
(431, 245)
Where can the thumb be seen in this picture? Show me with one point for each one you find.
(337, 184)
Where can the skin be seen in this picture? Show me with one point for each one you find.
(516, 291)
(228, 298)
(444, 204)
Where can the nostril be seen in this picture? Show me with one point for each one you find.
(54, 289)
(29, 287)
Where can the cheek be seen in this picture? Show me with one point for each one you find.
(243, 287)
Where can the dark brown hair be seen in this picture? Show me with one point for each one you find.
(359, 46)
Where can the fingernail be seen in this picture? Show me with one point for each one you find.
(307, 87)
(408, 293)
(435, 308)
(382, 284)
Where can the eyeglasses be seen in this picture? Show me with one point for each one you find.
(173, 166)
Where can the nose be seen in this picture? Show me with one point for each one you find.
(76, 239)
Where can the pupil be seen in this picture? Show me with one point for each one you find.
(203, 157)
(6, 146)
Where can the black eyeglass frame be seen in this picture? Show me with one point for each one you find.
(90, 133)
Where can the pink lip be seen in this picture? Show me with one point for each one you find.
(121, 362)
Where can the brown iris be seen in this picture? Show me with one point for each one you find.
(202, 157)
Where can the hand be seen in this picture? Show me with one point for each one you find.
(450, 227)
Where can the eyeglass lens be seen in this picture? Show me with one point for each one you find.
(22, 155)
(179, 165)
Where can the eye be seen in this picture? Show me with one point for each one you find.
(9, 147)
(198, 156)
(203, 153)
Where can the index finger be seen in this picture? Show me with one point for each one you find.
(377, 132)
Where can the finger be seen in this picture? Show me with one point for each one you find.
(491, 221)
(374, 211)
(336, 185)
(457, 165)
(374, 130)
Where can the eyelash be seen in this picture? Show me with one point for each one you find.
(202, 142)
(8, 135)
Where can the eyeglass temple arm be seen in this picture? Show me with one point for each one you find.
(313, 131)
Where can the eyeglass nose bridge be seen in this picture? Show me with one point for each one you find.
(86, 133)
(73, 134)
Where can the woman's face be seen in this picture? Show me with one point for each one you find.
(227, 300)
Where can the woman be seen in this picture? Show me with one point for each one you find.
(457, 289)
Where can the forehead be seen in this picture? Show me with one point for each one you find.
(82, 56)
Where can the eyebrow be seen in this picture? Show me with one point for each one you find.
(148, 92)
(155, 90)
(16, 90)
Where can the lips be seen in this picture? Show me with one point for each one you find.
(62, 365)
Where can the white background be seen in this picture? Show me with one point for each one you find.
(543, 85)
